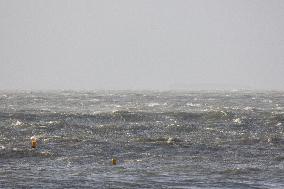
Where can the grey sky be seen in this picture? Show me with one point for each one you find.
(135, 44)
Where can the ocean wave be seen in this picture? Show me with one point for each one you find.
(56, 118)
(240, 171)
(23, 153)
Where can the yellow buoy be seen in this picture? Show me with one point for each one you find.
(114, 161)
(34, 141)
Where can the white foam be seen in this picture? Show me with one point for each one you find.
(248, 108)
(224, 113)
(52, 122)
(267, 101)
(18, 123)
(193, 105)
(170, 140)
(279, 108)
(210, 129)
(278, 124)
(153, 104)
(237, 120)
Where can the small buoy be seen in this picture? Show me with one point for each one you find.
(113, 161)
(34, 141)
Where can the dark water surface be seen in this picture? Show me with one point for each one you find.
(160, 139)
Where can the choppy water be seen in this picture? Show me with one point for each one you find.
(160, 139)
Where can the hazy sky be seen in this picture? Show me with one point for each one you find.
(141, 44)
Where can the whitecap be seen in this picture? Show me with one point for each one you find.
(248, 108)
(210, 129)
(237, 120)
(193, 105)
(279, 108)
(94, 100)
(52, 122)
(153, 104)
(267, 101)
(18, 123)
(224, 113)
(278, 124)
(235, 90)
(170, 140)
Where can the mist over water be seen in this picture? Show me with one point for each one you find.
(229, 139)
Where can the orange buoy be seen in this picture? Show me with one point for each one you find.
(34, 141)
(113, 161)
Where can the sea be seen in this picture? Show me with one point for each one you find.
(159, 139)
